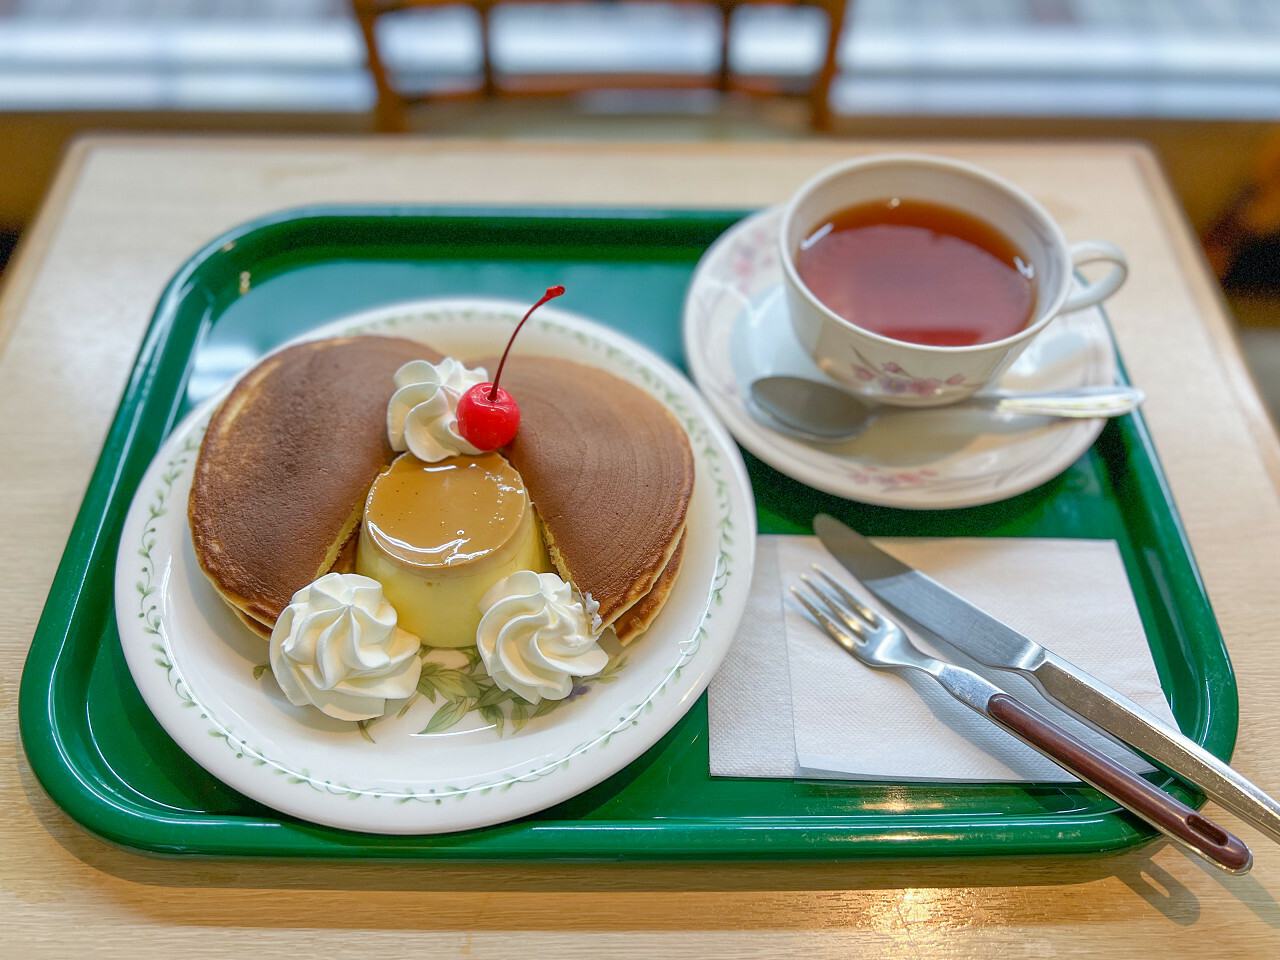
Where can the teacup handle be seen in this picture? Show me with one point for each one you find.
(1094, 251)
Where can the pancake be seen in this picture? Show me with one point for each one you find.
(636, 619)
(286, 463)
(610, 472)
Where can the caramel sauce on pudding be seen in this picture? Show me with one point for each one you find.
(448, 513)
(438, 535)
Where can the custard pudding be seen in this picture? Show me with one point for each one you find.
(437, 536)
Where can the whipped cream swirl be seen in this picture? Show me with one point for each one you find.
(337, 647)
(535, 635)
(422, 416)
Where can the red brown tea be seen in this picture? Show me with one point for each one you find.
(918, 272)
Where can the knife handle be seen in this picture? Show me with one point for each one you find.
(1122, 720)
(1167, 814)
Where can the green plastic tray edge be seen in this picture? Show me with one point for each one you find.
(704, 839)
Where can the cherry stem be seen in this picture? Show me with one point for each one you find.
(551, 294)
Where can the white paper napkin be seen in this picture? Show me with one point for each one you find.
(848, 721)
(749, 702)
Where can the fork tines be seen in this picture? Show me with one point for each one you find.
(869, 616)
(856, 616)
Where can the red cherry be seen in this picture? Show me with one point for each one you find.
(488, 416)
(487, 424)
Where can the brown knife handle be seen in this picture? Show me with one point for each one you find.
(1167, 814)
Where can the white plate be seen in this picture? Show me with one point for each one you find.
(194, 661)
(736, 330)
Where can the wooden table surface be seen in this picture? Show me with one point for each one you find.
(121, 217)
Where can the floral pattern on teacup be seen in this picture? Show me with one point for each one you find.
(891, 378)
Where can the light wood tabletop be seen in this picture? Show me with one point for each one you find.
(123, 214)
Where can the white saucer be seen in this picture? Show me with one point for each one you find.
(736, 330)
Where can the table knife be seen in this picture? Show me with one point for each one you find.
(990, 642)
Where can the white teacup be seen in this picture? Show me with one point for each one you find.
(914, 374)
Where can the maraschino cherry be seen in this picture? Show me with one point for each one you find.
(488, 416)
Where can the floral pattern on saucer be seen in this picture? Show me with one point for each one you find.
(736, 329)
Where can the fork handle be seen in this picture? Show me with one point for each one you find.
(1166, 813)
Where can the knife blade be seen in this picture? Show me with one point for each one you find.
(995, 644)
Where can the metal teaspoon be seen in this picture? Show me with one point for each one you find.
(821, 413)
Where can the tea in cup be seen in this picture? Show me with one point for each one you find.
(916, 280)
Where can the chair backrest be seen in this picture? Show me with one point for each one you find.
(391, 114)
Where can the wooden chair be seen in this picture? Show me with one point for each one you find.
(393, 104)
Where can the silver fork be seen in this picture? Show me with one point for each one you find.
(881, 643)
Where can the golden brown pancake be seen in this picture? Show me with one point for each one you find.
(610, 472)
(286, 463)
(257, 626)
(636, 619)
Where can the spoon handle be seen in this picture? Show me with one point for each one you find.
(1084, 402)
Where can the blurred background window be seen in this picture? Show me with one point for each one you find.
(1163, 58)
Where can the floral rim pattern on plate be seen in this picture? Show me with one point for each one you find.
(149, 610)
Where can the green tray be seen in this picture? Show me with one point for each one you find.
(102, 756)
